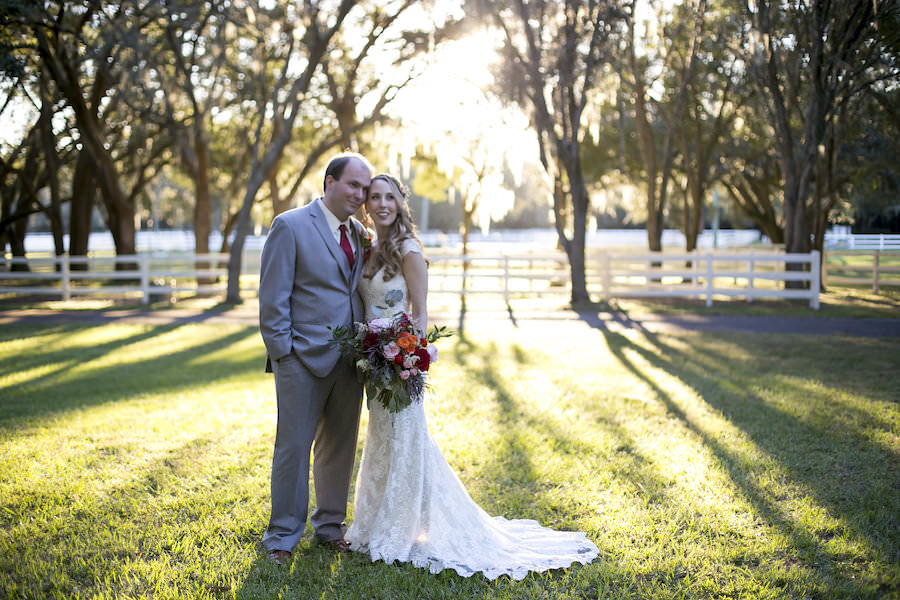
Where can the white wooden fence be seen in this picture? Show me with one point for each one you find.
(610, 274)
(148, 275)
(863, 241)
(618, 274)
(876, 268)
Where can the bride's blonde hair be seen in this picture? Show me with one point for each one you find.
(387, 253)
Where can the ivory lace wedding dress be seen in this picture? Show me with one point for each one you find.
(410, 505)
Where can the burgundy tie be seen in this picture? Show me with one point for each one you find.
(345, 245)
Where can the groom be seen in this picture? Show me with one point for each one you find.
(311, 263)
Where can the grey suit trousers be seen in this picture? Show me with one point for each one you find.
(322, 414)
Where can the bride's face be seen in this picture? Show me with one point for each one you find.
(381, 203)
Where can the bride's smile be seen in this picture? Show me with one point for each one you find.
(381, 204)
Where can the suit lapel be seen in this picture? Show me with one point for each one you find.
(358, 248)
(321, 225)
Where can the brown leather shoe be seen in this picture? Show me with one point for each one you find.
(279, 557)
(340, 544)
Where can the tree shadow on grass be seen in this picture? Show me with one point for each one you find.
(67, 355)
(155, 526)
(174, 371)
(856, 461)
(510, 466)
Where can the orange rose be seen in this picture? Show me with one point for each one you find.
(407, 341)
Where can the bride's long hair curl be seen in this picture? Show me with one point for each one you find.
(387, 253)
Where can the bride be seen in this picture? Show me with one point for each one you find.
(410, 506)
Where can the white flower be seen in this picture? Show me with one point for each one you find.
(432, 352)
(362, 364)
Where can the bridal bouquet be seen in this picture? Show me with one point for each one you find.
(391, 357)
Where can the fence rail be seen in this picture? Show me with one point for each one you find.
(149, 275)
(609, 274)
(863, 241)
(617, 275)
(876, 268)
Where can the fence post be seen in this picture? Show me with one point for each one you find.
(695, 265)
(506, 279)
(875, 263)
(66, 291)
(607, 276)
(709, 278)
(143, 261)
(814, 281)
(750, 266)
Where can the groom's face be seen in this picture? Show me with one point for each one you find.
(346, 195)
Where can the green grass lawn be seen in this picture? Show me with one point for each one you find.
(134, 462)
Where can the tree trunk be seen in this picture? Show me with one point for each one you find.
(121, 211)
(121, 226)
(48, 145)
(202, 203)
(576, 253)
(236, 254)
(17, 232)
(648, 154)
(280, 203)
(84, 192)
(467, 228)
(694, 215)
(695, 192)
(796, 232)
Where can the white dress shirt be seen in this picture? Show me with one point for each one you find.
(335, 225)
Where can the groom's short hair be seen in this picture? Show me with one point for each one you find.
(336, 165)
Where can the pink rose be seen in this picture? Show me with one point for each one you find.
(404, 375)
(391, 350)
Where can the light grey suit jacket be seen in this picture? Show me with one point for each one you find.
(306, 286)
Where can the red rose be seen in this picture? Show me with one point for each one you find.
(398, 359)
(370, 340)
(424, 359)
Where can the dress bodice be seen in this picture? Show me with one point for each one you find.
(384, 299)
